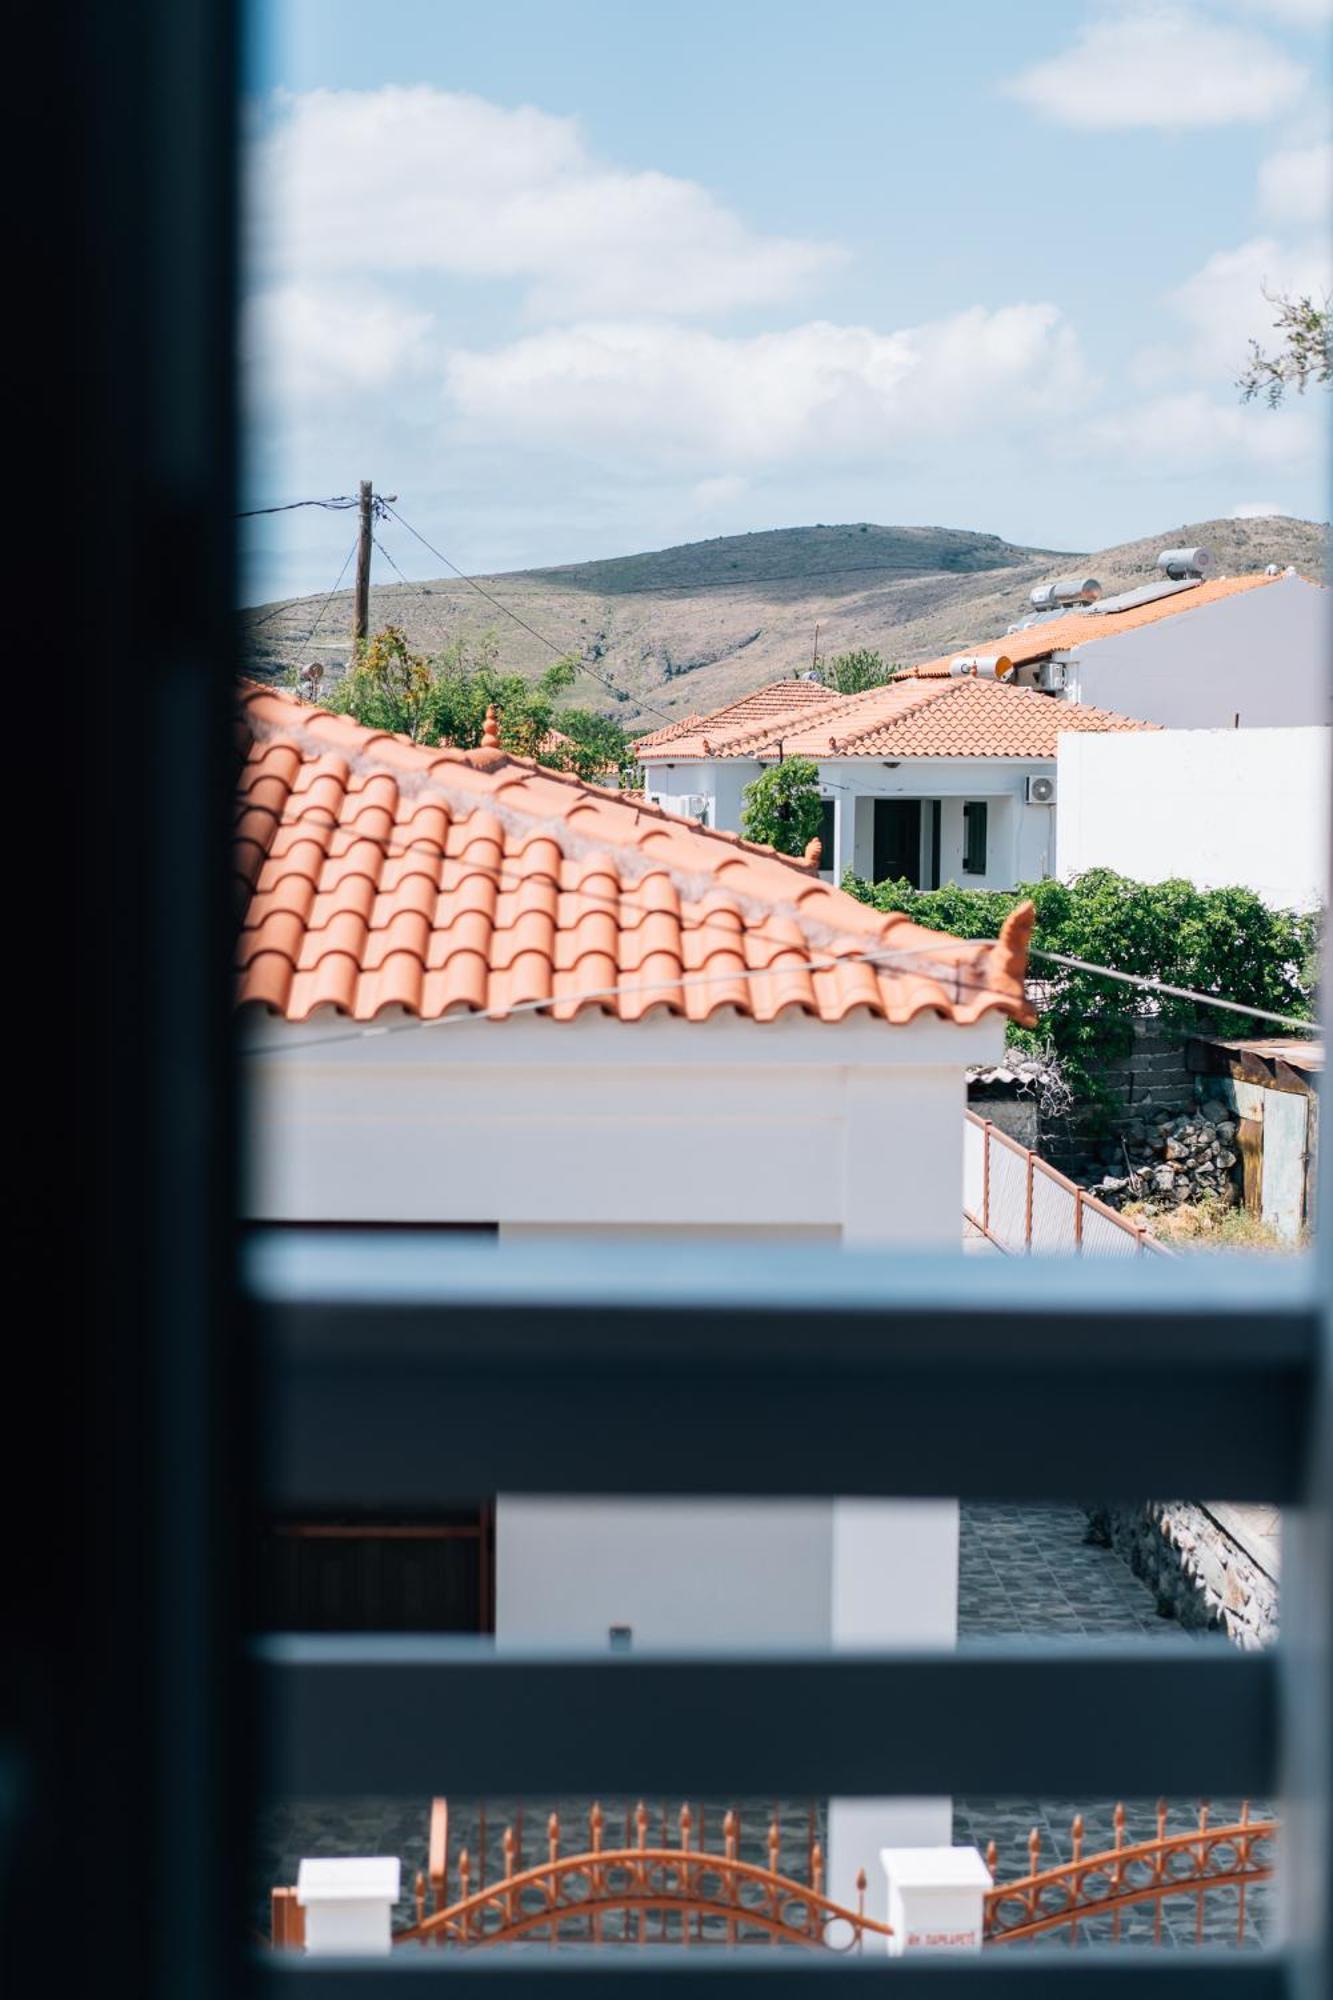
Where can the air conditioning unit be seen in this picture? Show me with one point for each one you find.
(1040, 791)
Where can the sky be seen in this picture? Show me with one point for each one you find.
(584, 279)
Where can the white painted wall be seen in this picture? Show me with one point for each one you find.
(1216, 806)
(675, 1128)
(1262, 655)
(1020, 837)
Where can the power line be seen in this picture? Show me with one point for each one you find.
(290, 506)
(560, 652)
(420, 588)
(686, 980)
(1151, 985)
(324, 606)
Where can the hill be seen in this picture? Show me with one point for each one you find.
(687, 629)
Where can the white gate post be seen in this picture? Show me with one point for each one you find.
(936, 1898)
(348, 1904)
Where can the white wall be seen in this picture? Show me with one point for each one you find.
(1020, 837)
(683, 1574)
(1216, 806)
(1262, 655)
(675, 1128)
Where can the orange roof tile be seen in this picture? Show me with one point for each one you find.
(752, 710)
(375, 873)
(1080, 628)
(907, 717)
(953, 718)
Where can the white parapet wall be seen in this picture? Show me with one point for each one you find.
(1219, 807)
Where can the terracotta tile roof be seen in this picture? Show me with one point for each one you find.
(374, 873)
(750, 712)
(1080, 628)
(953, 718)
(908, 717)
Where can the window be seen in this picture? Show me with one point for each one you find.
(974, 837)
(374, 1363)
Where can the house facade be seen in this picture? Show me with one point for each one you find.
(931, 780)
(1232, 652)
(478, 994)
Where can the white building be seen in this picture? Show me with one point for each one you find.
(613, 1023)
(944, 779)
(1189, 652)
(1218, 807)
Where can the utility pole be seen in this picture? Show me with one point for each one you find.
(361, 602)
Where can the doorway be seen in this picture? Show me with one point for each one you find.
(897, 850)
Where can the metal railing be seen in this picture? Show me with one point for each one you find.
(1105, 1885)
(1023, 1205)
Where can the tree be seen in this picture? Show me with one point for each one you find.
(1226, 942)
(1305, 354)
(444, 700)
(595, 745)
(782, 807)
(854, 672)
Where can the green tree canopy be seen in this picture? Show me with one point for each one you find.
(445, 699)
(1304, 353)
(782, 806)
(1226, 942)
(854, 672)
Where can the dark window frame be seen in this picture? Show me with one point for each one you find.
(976, 821)
(133, 1683)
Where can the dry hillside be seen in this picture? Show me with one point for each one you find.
(688, 629)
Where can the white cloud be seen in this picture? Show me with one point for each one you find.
(1255, 510)
(1160, 65)
(402, 180)
(1223, 307)
(1193, 432)
(1296, 185)
(303, 344)
(714, 496)
(679, 397)
(1293, 13)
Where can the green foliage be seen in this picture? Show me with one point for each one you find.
(1304, 355)
(1226, 942)
(444, 700)
(854, 672)
(782, 806)
(597, 746)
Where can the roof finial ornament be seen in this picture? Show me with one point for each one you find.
(813, 852)
(490, 733)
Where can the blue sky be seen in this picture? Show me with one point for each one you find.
(582, 279)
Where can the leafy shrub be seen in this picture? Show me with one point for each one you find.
(1225, 942)
(782, 807)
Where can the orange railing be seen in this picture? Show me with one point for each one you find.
(628, 1893)
(1023, 1205)
(1089, 1887)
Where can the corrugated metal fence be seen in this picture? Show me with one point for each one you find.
(1023, 1206)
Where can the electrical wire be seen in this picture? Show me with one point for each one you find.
(686, 979)
(324, 606)
(1150, 985)
(560, 652)
(342, 500)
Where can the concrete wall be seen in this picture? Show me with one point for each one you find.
(1216, 806)
(1262, 655)
(1020, 837)
(691, 1130)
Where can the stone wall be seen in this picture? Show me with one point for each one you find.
(1151, 1082)
(1197, 1572)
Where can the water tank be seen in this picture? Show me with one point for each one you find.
(1184, 562)
(982, 666)
(1066, 590)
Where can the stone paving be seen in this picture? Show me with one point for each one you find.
(1030, 1571)
(1023, 1571)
